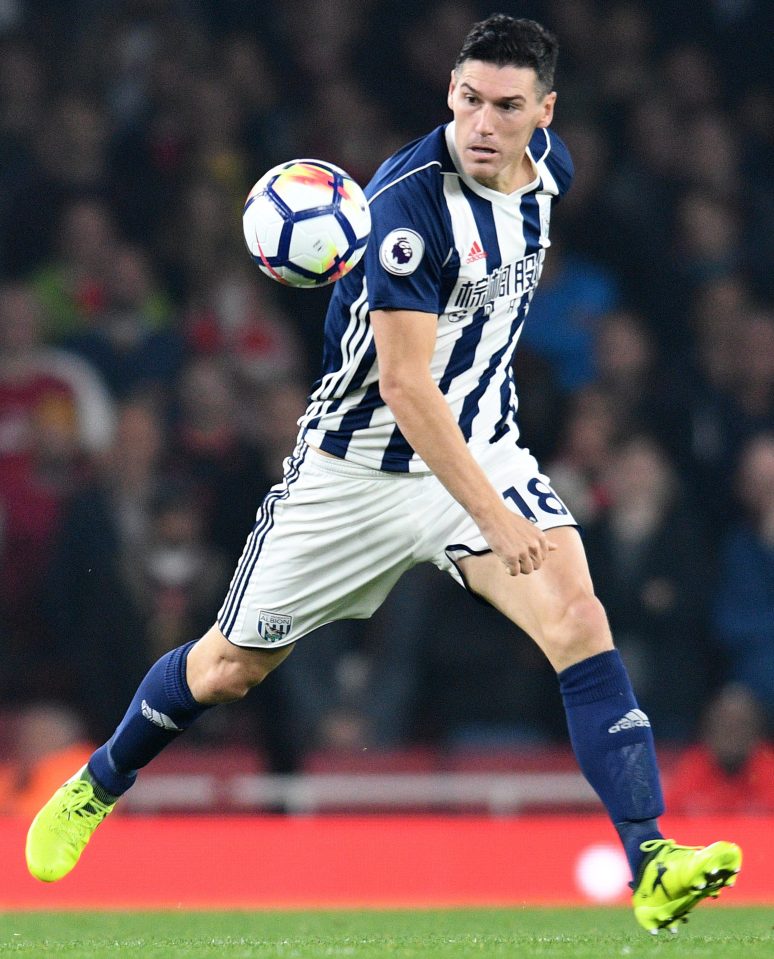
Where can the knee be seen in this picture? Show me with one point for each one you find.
(227, 681)
(226, 674)
(580, 631)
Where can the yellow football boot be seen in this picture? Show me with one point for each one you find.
(60, 831)
(673, 879)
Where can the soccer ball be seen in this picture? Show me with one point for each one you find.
(306, 223)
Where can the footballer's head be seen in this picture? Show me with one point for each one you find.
(500, 92)
(507, 41)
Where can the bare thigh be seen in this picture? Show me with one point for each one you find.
(555, 605)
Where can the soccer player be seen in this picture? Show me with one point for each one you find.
(407, 453)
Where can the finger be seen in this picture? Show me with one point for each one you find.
(551, 545)
(528, 564)
(542, 549)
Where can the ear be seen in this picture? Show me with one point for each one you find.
(452, 86)
(548, 110)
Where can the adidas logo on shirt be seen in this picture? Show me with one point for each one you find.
(634, 718)
(476, 253)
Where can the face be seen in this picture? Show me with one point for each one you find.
(496, 111)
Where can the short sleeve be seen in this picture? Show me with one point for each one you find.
(559, 162)
(409, 244)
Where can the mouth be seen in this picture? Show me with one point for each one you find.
(482, 152)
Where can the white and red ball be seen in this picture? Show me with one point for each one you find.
(306, 223)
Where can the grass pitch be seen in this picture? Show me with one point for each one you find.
(725, 933)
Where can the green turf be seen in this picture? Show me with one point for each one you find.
(578, 933)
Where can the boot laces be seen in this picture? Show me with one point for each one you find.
(651, 845)
(81, 810)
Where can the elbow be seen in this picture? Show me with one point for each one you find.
(389, 388)
(404, 381)
(392, 388)
(397, 391)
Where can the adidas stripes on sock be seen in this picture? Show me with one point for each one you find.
(613, 743)
(162, 708)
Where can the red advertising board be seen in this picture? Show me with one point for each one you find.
(301, 862)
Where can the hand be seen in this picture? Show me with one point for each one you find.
(520, 545)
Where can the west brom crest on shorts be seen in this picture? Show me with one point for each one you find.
(273, 627)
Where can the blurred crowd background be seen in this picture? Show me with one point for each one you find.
(151, 378)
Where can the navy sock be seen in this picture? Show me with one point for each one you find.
(613, 743)
(162, 708)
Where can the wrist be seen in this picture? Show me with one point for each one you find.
(486, 511)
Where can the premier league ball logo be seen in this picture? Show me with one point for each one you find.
(401, 252)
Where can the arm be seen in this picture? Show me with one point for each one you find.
(405, 341)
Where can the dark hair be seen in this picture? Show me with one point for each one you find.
(507, 41)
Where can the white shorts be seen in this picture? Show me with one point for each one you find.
(332, 539)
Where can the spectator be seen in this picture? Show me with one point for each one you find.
(55, 417)
(742, 619)
(730, 771)
(131, 338)
(708, 239)
(270, 419)
(178, 577)
(237, 317)
(254, 83)
(754, 386)
(200, 238)
(641, 196)
(642, 388)
(50, 742)
(580, 468)
(34, 375)
(542, 408)
(586, 211)
(72, 284)
(642, 551)
(626, 37)
(89, 601)
(690, 67)
(732, 394)
(713, 154)
(209, 450)
(564, 315)
(22, 106)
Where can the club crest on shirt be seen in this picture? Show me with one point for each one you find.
(273, 627)
(401, 252)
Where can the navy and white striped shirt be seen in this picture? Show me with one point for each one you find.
(441, 243)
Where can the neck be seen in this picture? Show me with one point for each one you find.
(521, 175)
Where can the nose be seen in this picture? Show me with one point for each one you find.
(484, 120)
